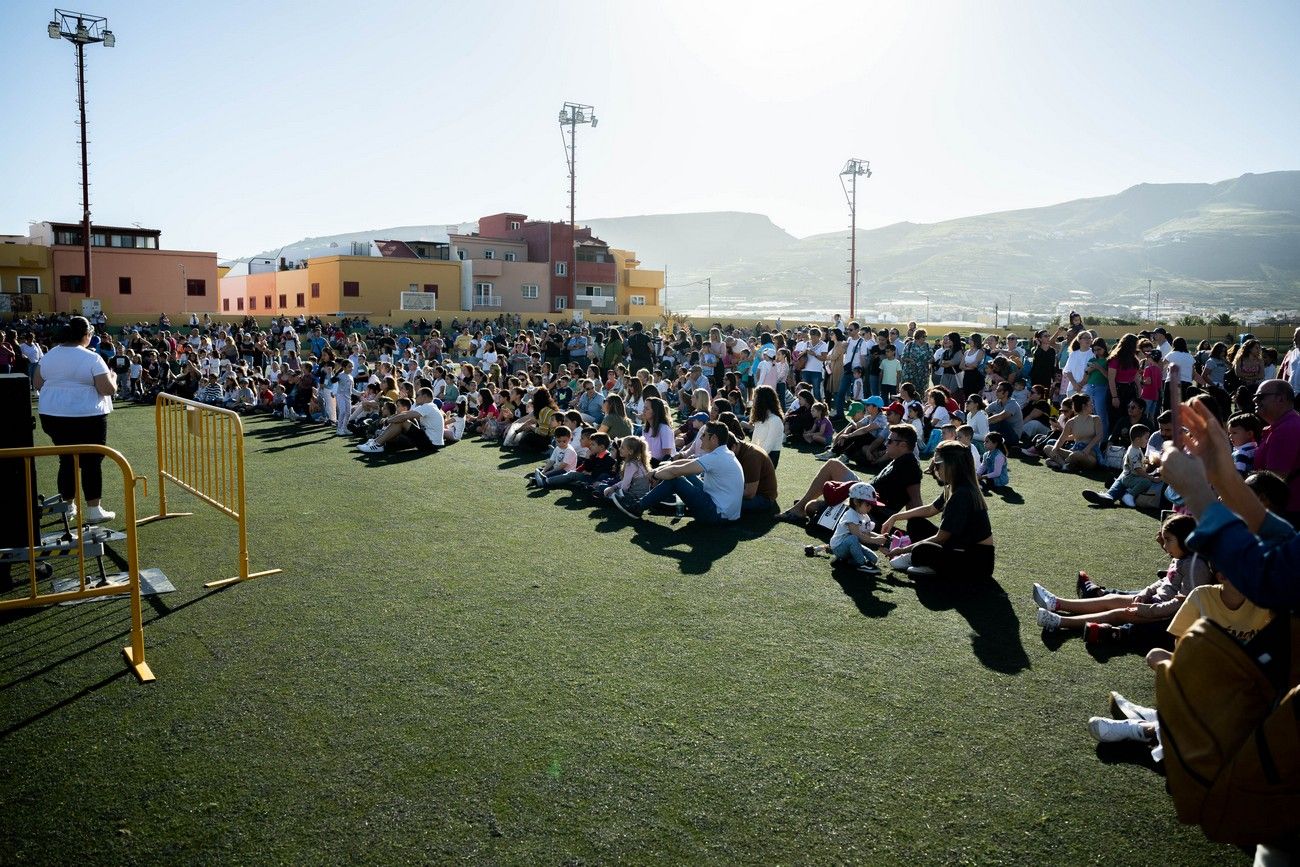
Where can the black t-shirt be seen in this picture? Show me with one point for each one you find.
(893, 481)
(963, 518)
(1043, 366)
(638, 344)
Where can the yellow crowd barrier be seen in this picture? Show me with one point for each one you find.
(201, 450)
(135, 652)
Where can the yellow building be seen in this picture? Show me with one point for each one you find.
(26, 277)
(640, 291)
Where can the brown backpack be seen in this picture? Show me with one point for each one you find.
(1230, 726)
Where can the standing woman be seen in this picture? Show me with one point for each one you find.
(973, 362)
(1096, 383)
(1121, 375)
(76, 395)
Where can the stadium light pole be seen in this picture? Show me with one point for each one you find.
(852, 170)
(571, 115)
(81, 30)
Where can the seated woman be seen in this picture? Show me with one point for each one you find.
(962, 547)
(538, 427)
(615, 421)
(1078, 446)
(656, 431)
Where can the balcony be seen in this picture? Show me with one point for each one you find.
(487, 302)
(597, 272)
(644, 279)
(596, 303)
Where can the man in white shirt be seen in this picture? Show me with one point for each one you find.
(856, 350)
(711, 484)
(814, 371)
(398, 433)
(1289, 370)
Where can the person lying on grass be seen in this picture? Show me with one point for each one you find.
(1156, 603)
(417, 425)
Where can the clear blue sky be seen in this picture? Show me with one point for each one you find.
(240, 126)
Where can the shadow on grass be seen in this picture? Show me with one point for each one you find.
(995, 639)
(270, 450)
(389, 458)
(694, 545)
(1010, 496)
(862, 590)
(1129, 753)
(59, 705)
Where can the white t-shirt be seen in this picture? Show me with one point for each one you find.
(431, 421)
(69, 389)
(1184, 361)
(723, 480)
(815, 365)
(848, 520)
(769, 434)
(1077, 366)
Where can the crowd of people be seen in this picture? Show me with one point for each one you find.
(695, 422)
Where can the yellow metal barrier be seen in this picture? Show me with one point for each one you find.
(201, 450)
(135, 653)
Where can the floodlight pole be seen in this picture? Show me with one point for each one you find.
(81, 30)
(571, 115)
(853, 168)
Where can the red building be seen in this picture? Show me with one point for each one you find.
(595, 287)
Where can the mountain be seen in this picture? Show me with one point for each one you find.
(688, 242)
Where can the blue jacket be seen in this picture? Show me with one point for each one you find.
(1264, 567)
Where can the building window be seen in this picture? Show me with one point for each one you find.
(283, 302)
(489, 254)
(510, 256)
(460, 254)
(252, 303)
(74, 283)
(123, 285)
(431, 288)
(530, 290)
(561, 303)
(315, 290)
(196, 287)
(98, 239)
(239, 303)
(67, 237)
(225, 305)
(592, 291)
(351, 289)
(514, 225)
(561, 270)
(266, 301)
(483, 296)
(413, 287)
(29, 285)
(637, 300)
(300, 300)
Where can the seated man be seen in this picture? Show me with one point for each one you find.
(418, 426)
(760, 475)
(866, 422)
(712, 484)
(898, 485)
(1006, 416)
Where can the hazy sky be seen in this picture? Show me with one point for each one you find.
(239, 126)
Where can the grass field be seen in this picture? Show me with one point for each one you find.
(451, 668)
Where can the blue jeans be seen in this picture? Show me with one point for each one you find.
(691, 490)
(813, 378)
(757, 503)
(1100, 395)
(852, 550)
(846, 385)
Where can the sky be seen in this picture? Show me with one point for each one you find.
(237, 127)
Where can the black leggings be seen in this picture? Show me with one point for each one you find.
(76, 431)
(973, 562)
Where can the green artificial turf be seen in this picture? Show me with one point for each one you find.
(451, 668)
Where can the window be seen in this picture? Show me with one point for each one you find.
(68, 237)
(431, 288)
(284, 301)
(123, 285)
(239, 303)
(460, 254)
(561, 270)
(530, 290)
(97, 239)
(351, 289)
(489, 254)
(514, 225)
(225, 305)
(72, 283)
(300, 300)
(561, 303)
(29, 285)
(252, 303)
(266, 301)
(637, 300)
(413, 287)
(315, 290)
(196, 287)
(510, 256)
(593, 291)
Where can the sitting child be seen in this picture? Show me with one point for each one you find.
(966, 436)
(563, 459)
(211, 392)
(1244, 431)
(1156, 603)
(1136, 477)
(821, 432)
(242, 399)
(595, 469)
(635, 481)
(854, 531)
(994, 472)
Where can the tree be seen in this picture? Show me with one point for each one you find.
(1224, 319)
(1190, 320)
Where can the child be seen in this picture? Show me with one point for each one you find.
(890, 369)
(853, 532)
(1158, 602)
(1151, 375)
(994, 472)
(635, 482)
(858, 386)
(136, 370)
(343, 397)
(596, 468)
(242, 399)
(1134, 479)
(211, 392)
(563, 459)
(822, 431)
(1244, 431)
(965, 434)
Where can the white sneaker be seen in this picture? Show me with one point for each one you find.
(824, 456)
(371, 448)
(1109, 731)
(98, 515)
(1049, 620)
(1130, 710)
(1128, 500)
(901, 562)
(365, 444)
(1045, 598)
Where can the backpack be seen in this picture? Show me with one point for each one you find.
(1230, 725)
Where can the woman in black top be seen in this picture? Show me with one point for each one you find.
(963, 545)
